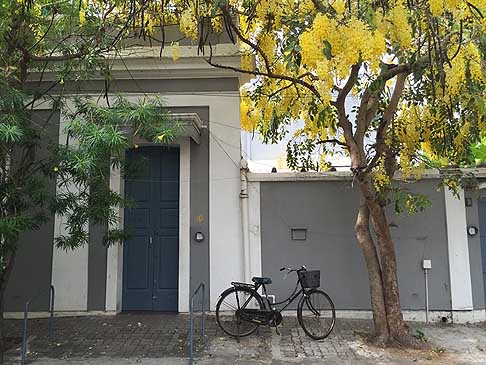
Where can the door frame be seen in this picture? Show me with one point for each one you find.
(114, 272)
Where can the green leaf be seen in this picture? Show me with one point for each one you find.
(327, 49)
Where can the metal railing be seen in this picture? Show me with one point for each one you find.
(26, 322)
(201, 287)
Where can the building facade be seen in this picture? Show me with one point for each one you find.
(200, 216)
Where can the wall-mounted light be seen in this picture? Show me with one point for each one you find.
(472, 231)
(199, 237)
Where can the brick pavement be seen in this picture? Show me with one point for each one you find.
(163, 338)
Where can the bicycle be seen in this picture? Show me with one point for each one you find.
(241, 309)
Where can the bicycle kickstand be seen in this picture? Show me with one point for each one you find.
(276, 330)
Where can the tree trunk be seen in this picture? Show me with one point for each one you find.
(362, 229)
(396, 325)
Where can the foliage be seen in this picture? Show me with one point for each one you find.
(46, 48)
(416, 71)
(478, 152)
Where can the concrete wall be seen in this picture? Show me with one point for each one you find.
(31, 275)
(96, 268)
(475, 259)
(199, 203)
(327, 209)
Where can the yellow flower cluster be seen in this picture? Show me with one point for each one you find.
(270, 10)
(381, 179)
(266, 41)
(348, 42)
(82, 12)
(400, 29)
(468, 58)
(175, 51)
(436, 7)
(339, 6)
(462, 138)
(188, 23)
(408, 128)
(248, 117)
(217, 24)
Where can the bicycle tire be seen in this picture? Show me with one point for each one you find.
(316, 302)
(245, 328)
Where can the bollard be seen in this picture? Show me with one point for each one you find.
(203, 314)
(191, 321)
(24, 336)
(51, 318)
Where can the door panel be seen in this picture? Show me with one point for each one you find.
(151, 255)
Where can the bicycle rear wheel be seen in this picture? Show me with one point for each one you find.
(316, 314)
(229, 306)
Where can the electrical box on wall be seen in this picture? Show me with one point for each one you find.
(427, 264)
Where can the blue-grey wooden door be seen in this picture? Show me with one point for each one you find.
(482, 233)
(151, 254)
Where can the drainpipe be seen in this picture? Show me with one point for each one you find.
(245, 219)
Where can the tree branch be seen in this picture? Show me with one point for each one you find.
(332, 140)
(295, 80)
(343, 120)
(388, 116)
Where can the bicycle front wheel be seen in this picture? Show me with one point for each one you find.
(316, 314)
(229, 307)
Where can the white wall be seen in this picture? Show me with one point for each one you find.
(69, 268)
(457, 243)
(254, 226)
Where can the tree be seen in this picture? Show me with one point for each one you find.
(417, 71)
(71, 39)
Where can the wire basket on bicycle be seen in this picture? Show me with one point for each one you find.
(310, 279)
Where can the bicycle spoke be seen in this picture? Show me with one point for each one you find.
(228, 305)
(228, 312)
(317, 315)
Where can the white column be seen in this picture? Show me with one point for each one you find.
(69, 268)
(255, 228)
(457, 244)
(184, 224)
(114, 260)
(225, 245)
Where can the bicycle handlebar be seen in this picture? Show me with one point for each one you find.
(289, 269)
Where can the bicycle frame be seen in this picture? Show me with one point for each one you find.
(257, 314)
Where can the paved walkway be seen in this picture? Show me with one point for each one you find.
(163, 339)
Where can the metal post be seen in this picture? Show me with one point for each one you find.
(203, 320)
(191, 330)
(24, 336)
(51, 318)
(426, 296)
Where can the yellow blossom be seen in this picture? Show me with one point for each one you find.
(188, 23)
(339, 6)
(401, 31)
(217, 24)
(161, 137)
(82, 12)
(436, 7)
(175, 51)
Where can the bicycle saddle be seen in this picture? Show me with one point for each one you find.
(261, 281)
